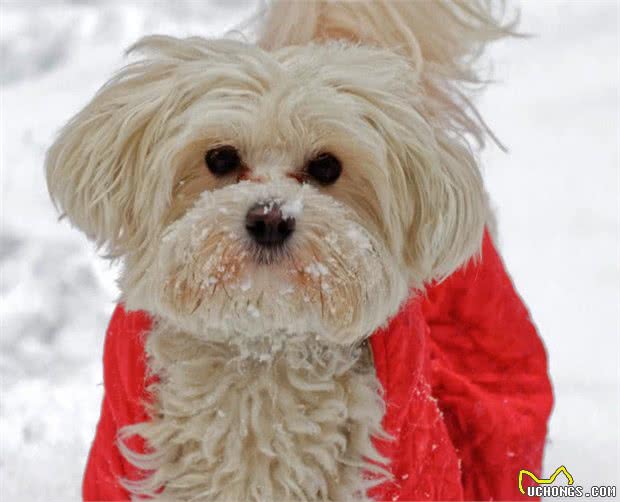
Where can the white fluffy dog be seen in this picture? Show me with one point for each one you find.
(273, 205)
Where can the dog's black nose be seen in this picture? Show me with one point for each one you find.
(266, 224)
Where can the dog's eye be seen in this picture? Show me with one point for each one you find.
(222, 160)
(325, 168)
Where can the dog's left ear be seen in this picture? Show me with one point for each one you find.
(449, 210)
(107, 170)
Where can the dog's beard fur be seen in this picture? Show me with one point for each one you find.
(332, 279)
(244, 335)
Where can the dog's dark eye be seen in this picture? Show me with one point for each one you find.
(325, 168)
(222, 160)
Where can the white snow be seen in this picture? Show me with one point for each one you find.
(359, 238)
(316, 269)
(556, 107)
(253, 311)
(246, 284)
(292, 208)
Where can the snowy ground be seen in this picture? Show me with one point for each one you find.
(556, 193)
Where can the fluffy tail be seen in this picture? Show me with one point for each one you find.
(443, 40)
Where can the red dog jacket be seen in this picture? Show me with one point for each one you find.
(465, 382)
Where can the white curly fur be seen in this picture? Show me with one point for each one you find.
(238, 421)
(264, 392)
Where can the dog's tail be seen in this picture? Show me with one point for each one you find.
(443, 40)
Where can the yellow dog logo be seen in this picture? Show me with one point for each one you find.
(544, 481)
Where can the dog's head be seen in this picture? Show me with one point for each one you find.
(300, 189)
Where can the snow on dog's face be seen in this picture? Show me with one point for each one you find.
(330, 275)
(304, 190)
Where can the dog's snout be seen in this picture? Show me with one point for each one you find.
(267, 225)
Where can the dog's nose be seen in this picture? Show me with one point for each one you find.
(267, 225)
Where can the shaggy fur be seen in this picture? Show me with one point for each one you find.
(234, 412)
(248, 339)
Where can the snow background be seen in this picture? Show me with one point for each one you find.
(555, 105)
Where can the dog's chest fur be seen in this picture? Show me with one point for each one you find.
(250, 422)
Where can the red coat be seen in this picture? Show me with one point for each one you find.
(465, 380)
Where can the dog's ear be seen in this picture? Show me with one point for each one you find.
(438, 202)
(449, 210)
(101, 168)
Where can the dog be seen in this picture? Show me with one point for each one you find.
(273, 205)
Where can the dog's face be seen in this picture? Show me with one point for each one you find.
(303, 190)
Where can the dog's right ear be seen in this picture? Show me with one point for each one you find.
(102, 169)
(98, 163)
